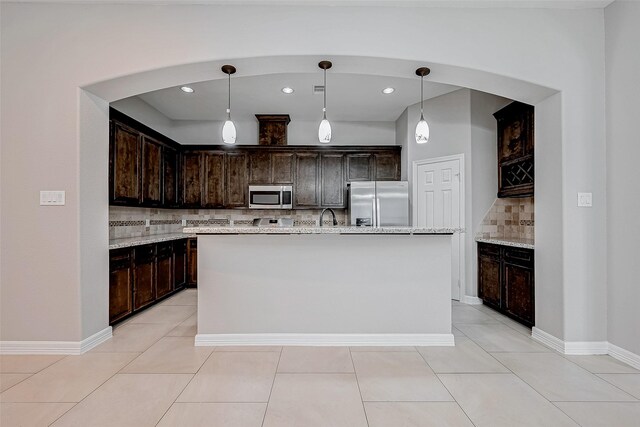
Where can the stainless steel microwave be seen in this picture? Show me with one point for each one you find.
(270, 197)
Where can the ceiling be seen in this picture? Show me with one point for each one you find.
(350, 97)
(531, 4)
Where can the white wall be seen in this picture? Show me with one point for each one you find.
(146, 114)
(460, 122)
(299, 132)
(550, 248)
(623, 152)
(50, 50)
(402, 139)
(484, 172)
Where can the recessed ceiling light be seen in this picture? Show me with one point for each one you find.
(287, 90)
(186, 89)
(388, 90)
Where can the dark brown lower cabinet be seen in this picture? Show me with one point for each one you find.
(164, 269)
(179, 264)
(142, 275)
(506, 281)
(489, 280)
(120, 284)
(192, 263)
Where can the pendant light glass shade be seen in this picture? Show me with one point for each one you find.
(422, 131)
(229, 132)
(229, 129)
(324, 131)
(422, 128)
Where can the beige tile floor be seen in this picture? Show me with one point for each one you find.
(150, 374)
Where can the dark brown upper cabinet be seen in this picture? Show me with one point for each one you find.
(214, 176)
(124, 165)
(271, 167)
(306, 184)
(143, 165)
(387, 166)
(282, 167)
(148, 169)
(359, 167)
(192, 182)
(332, 184)
(151, 172)
(515, 124)
(171, 166)
(236, 180)
(260, 167)
(272, 129)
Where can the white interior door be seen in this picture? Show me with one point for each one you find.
(438, 204)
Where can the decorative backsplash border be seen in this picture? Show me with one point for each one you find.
(127, 222)
(509, 218)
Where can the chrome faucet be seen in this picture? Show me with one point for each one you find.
(335, 221)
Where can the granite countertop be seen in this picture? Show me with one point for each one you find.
(508, 241)
(145, 240)
(318, 230)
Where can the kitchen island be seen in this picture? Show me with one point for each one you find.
(323, 286)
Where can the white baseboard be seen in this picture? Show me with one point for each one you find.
(547, 339)
(586, 347)
(326, 339)
(624, 356)
(56, 347)
(579, 348)
(471, 300)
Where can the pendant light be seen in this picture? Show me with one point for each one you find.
(422, 128)
(229, 129)
(324, 131)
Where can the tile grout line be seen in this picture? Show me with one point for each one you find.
(364, 409)
(185, 387)
(90, 393)
(264, 416)
(569, 416)
(616, 386)
(11, 373)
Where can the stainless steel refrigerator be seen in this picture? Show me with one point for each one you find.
(379, 203)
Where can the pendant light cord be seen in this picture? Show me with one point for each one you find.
(229, 98)
(421, 97)
(324, 108)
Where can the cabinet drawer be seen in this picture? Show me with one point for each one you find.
(119, 259)
(144, 253)
(165, 249)
(488, 249)
(518, 256)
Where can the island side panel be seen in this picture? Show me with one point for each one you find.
(324, 284)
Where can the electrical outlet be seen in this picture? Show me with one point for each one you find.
(147, 223)
(52, 198)
(585, 200)
(184, 222)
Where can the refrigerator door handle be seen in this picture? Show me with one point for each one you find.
(377, 212)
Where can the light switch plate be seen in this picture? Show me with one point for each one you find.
(184, 222)
(52, 198)
(147, 223)
(585, 200)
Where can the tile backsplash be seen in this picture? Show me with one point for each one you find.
(131, 222)
(509, 218)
